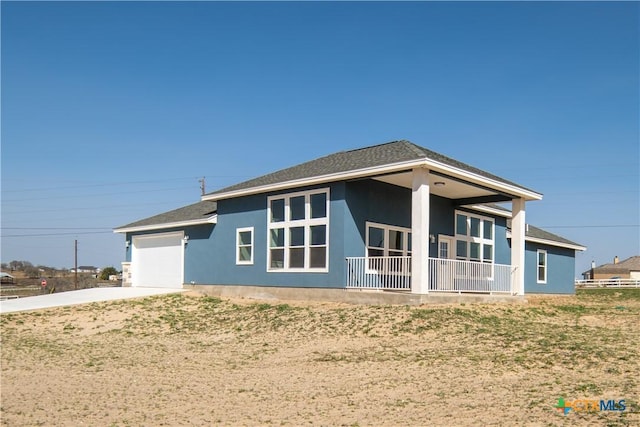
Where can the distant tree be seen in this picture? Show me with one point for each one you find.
(15, 265)
(20, 265)
(108, 271)
(31, 272)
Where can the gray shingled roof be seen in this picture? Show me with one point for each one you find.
(362, 158)
(196, 211)
(538, 233)
(629, 264)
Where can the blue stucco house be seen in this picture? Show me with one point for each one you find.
(394, 218)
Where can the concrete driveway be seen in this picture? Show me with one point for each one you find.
(83, 296)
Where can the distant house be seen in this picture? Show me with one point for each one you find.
(86, 269)
(394, 217)
(627, 269)
(6, 278)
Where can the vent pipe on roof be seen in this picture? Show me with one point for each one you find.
(593, 264)
(615, 259)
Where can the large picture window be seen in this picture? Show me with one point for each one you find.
(298, 227)
(474, 237)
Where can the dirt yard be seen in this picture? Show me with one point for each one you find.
(192, 360)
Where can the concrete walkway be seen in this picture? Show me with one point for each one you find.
(83, 296)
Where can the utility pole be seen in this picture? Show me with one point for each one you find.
(75, 280)
(202, 186)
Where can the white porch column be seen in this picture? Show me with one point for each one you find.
(518, 226)
(420, 232)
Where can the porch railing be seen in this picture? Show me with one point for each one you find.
(450, 275)
(445, 275)
(383, 273)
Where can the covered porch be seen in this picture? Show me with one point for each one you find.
(435, 260)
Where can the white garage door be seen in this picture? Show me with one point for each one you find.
(157, 261)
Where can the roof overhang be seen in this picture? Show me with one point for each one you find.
(551, 242)
(400, 174)
(179, 224)
(490, 210)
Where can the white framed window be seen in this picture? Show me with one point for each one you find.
(244, 246)
(475, 237)
(298, 231)
(387, 240)
(541, 266)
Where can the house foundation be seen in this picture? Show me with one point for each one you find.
(363, 297)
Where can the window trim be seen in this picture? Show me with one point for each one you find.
(251, 245)
(287, 224)
(387, 228)
(468, 238)
(544, 266)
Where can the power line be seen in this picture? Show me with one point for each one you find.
(85, 196)
(592, 226)
(110, 207)
(54, 228)
(55, 234)
(119, 183)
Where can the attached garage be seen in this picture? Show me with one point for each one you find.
(157, 260)
(156, 246)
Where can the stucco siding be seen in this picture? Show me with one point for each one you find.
(251, 211)
(560, 270)
(441, 221)
(375, 201)
(503, 246)
(197, 252)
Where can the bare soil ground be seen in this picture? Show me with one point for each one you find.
(193, 360)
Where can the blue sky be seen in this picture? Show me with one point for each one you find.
(112, 111)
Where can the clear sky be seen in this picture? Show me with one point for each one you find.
(112, 111)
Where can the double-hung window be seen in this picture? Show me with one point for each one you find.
(542, 266)
(298, 231)
(474, 237)
(244, 246)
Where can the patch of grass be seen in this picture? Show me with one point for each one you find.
(588, 388)
(573, 309)
(263, 307)
(609, 294)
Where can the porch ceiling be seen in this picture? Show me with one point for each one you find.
(453, 188)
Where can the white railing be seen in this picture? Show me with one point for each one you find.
(382, 273)
(445, 275)
(450, 275)
(608, 283)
